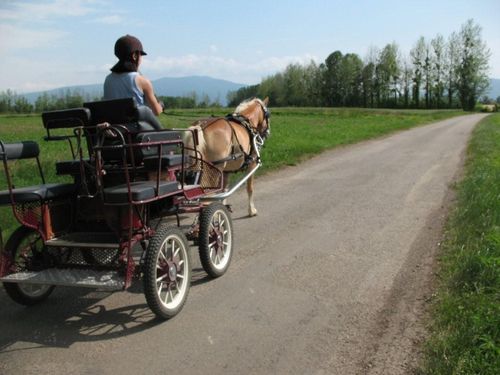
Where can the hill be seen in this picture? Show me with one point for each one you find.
(201, 86)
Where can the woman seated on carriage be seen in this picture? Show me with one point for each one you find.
(124, 81)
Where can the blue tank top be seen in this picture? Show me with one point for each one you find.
(122, 85)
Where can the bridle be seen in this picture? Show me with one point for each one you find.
(266, 132)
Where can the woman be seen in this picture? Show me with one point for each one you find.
(124, 81)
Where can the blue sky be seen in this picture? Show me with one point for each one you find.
(52, 43)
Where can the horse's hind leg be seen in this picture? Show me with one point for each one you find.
(251, 207)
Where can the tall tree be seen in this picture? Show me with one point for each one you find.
(350, 79)
(387, 72)
(313, 82)
(472, 72)
(452, 61)
(406, 81)
(369, 77)
(333, 78)
(428, 74)
(438, 49)
(417, 55)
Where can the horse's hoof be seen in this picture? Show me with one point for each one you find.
(252, 213)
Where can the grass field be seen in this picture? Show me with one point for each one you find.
(297, 133)
(466, 329)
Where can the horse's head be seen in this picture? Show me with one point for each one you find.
(258, 115)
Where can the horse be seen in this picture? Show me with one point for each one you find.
(229, 142)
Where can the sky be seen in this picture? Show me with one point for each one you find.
(47, 44)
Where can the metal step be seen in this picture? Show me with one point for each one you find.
(108, 280)
(86, 240)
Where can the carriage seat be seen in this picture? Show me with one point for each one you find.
(42, 192)
(140, 191)
(65, 119)
(123, 112)
(69, 167)
(171, 153)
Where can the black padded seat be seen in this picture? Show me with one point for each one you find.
(167, 161)
(69, 167)
(123, 111)
(37, 193)
(140, 190)
(66, 118)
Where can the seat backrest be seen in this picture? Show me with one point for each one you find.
(67, 118)
(19, 150)
(132, 119)
(116, 111)
(158, 138)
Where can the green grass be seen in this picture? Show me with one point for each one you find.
(466, 330)
(297, 134)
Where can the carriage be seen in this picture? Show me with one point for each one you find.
(121, 215)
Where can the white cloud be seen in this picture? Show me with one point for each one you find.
(15, 37)
(41, 10)
(244, 71)
(109, 20)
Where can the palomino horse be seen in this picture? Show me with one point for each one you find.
(229, 142)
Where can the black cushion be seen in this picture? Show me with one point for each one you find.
(66, 118)
(70, 167)
(19, 150)
(123, 111)
(140, 190)
(162, 137)
(166, 161)
(37, 193)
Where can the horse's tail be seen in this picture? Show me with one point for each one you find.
(194, 140)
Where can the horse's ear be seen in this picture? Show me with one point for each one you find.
(266, 101)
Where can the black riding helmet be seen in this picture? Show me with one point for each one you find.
(125, 47)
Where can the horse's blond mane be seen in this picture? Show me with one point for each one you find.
(244, 105)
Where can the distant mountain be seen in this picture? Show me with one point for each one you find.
(87, 91)
(494, 89)
(215, 89)
(201, 86)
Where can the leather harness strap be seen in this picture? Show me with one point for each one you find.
(237, 119)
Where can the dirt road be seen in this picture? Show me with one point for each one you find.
(330, 278)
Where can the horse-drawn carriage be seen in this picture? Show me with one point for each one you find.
(119, 218)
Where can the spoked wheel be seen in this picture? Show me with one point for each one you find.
(167, 272)
(215, 239)
(26, 246)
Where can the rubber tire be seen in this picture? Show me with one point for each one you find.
(205, 220)
(15, 290)
(164, 234)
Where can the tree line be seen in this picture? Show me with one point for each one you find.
(10, 102)
(437, 73)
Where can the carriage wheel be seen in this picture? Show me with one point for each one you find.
(215, 239)
(26, 247)
(167, 272)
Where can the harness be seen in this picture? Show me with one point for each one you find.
(252, 133)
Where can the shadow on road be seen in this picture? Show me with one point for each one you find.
(69, 315)
(73, 315)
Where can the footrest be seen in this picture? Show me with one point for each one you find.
(108, 280)
(86, 240)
